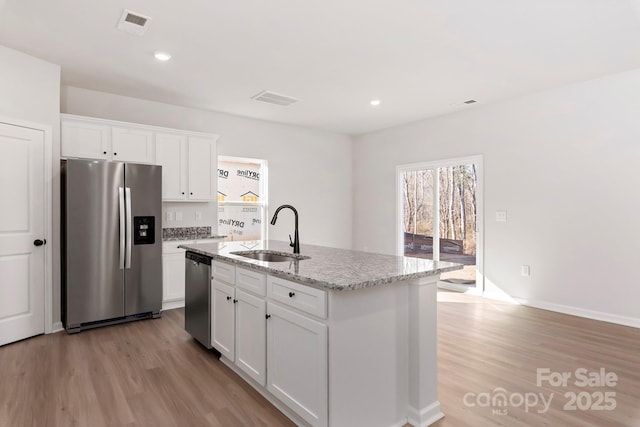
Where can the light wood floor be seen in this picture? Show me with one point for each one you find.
(485, 344)
(146, 373)
(151, 373)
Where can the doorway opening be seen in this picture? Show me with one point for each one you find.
(440, 217)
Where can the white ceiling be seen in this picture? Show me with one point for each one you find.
(422, 58)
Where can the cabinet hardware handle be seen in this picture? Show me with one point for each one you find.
(267, 316)
(104, 152)
(183, 192)
(191, 194)
(39, 242)
(292, 294)
(235, 301)
(228, 298)
(115, 154)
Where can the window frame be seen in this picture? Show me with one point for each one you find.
(263, 203)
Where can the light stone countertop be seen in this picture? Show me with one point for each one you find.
(329, 268)
(183, 238)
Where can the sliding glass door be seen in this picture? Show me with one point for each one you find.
(439, 207)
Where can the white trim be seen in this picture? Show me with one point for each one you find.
(581, 312)
(48, 212)
(426, 416)
(57, 327)
(65, 116)
(170, 305)
(478, 161)
(471, 290)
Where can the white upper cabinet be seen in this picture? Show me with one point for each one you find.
(132, 145)
(189, 167)
(88, 138)
(171, 154)
(85, 140)
(202, 169)
(188, 159)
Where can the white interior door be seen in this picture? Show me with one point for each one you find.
(21, 224)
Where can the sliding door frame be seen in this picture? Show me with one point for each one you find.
(435, 165)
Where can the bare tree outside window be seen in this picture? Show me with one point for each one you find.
(457, 211)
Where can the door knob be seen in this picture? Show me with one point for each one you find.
(39, 242)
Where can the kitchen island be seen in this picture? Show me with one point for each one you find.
(339, 338)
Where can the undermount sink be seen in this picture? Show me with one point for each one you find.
(271, 256)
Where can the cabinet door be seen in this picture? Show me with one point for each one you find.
(171, 154)
(84, 140)
(297, 363)
(251, 330)
(173, 276)
(132, 145)
(222, 319)
(202, 169)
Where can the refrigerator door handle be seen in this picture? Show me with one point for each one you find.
(128, 228)
(122, 225)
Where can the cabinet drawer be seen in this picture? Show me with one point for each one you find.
(251, 281)
(304, 298)
(224, 272)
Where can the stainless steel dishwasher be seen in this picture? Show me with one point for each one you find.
(197, 299)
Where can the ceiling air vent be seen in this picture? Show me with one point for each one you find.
(274, 98)
(133, 22)
(471, 101)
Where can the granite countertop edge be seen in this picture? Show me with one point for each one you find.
(189, 239)
(323, 284)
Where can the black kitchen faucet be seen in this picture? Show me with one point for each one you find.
(295, 244)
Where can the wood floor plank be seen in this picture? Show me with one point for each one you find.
(152, 373)
(485, 345)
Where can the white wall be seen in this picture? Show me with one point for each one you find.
(30, 91)
(29, 88)
(308, 169)
(563, 163)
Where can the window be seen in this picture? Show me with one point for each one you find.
(242, 198)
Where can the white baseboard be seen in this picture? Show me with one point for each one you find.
(426, 416)
(57, 327)
(581, 312)
(602, 316)
(471, 290)
(170, 305)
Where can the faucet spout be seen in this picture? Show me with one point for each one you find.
(295, 244)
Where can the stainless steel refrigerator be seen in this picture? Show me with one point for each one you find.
(111, 242)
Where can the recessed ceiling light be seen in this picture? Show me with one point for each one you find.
(375, 102)
(162, 56)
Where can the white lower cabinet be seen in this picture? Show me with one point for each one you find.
(271, 338)
(297, 363)
(238, 328)
(173, 274)
(251, 336)
(223, 318)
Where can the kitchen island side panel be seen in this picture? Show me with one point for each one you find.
(368, 356)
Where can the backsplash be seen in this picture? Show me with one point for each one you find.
(186, 232)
